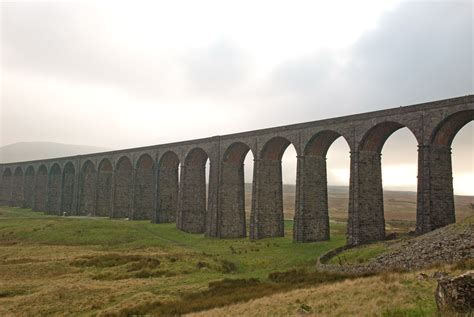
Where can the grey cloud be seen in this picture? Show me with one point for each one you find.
(217, 69)
(419, 52)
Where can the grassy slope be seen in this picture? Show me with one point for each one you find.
(83, 266)
(55, 265)
(390, 294)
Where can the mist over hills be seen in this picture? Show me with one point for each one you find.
(28, 151)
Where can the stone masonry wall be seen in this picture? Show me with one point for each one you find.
(369, 207)
(6, 188)
(232, 201)
(144, 191)
(167, 194)
(267, 217)
(312, 217)
(28, 188)
(41, 190)
(192, 208)
(54, 193)
(123, 190)
(87, 191)
(17, 191)
(104, 193)
(442, 206)
(67, 192)
(144, 205)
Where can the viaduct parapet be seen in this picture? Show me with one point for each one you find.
(144, 183)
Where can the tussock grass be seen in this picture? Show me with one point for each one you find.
(77, 266)
(359, 255)
(96, 266)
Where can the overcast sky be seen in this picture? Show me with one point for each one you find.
(132, 73)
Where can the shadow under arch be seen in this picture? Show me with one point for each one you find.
(168, 188)
(87, 189)
(231, 216)
(144, 188)
(41, 189)
(54, 190)
(104, 189)
(123, 176)
(29, 186)
(67, 188)
(312, 209)
(192, 209)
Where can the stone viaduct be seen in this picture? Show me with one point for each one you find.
(144, 183)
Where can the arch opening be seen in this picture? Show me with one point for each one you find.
(463, 171)
(144, 191)
(67, 188)
(236, 194)
(104, 189)
(168, 188)
(87, 189)
(371, 205)
(399, 181)
(41, 189)
(123, 188)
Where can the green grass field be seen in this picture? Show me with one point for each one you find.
(65, 265)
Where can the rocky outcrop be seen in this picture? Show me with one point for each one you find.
(445, 245)
(455, 295)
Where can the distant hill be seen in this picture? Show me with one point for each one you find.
(398, 205)
(28, 151)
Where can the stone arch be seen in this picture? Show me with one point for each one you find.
(41, 189)
(67, 188)
(104, 189)
(274, 148)
(231, 216)
(192, 210)
(144, 189)
(366, 179)
(437, 159)
(7, 180)
(267, 219)
(320, 143)
(168, 188)
(311, 221)
(87, 189)
(17, 188)
(374, 139)
(29, 187)
(444, 133)
(54, 190)
(123, 188)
